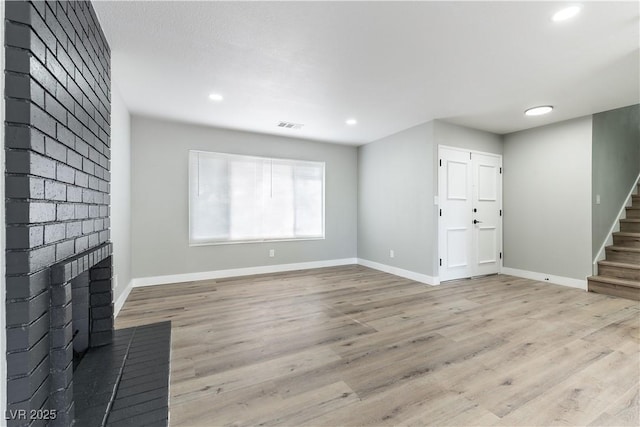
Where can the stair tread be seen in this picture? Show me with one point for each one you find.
(619, 248)
(619, 264)
(626, 234)
(616, 281)
(636, 220)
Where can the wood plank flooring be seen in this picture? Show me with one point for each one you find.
(352, 346)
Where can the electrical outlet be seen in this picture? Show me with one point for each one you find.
(597, 199)
(392, 254)
(272, 253)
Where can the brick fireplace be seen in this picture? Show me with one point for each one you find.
(57, 142)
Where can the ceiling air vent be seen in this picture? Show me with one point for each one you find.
(289, 125)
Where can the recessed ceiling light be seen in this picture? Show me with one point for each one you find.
(538, 111)
(566, 13)
(351, 122)
(216, 97)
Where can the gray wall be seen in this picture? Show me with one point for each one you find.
(120, 193)
(547, 199)
(160, 238)
(463, 137)
(616, 164)
(395, 200)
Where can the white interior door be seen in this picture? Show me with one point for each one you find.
(487, 213)
(456, 203)
(470, 209)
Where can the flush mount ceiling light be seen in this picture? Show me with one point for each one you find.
(566, 13)
(216, 97)
(351, 122)
(538, 111)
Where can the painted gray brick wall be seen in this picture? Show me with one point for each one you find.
(57, 142)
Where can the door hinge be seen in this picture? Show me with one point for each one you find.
(500, 212)
(500, 255)
(440, 212)
(500, 170)
(469, 156)
(440, 262)
(440, 162)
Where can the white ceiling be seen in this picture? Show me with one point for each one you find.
(390, 65)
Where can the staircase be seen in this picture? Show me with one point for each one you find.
(619, 273)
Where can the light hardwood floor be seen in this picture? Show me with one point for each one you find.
(352, 346)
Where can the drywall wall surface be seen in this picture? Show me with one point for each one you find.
(547, 199)
(463, 137)
(120, 193)
(616, 164)
(160, 199)
(395, 200)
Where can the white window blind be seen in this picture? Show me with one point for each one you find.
(234, 198)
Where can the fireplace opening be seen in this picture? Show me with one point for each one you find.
(80, 318)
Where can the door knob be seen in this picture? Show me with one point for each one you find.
(475, 221)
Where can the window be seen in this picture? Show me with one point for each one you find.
(234, 198)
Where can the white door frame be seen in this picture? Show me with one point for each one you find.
(501, 223)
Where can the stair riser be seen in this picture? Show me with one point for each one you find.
(630, 242)
(614, 290)
(620, 272)
(633, 213)
(635, 201)
(617, 256)
(631, 227)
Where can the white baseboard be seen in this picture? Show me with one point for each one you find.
(542, 277)
(235, 272)
(117, 306)
(418, 277)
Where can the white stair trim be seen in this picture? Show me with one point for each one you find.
(615, 226)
